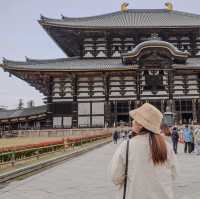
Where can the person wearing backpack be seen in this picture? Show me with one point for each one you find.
(197, 140)
(175, 138)
(144, 167)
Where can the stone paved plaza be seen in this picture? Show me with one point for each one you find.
(85, 177)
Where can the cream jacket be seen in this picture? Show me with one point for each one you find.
(145, 181)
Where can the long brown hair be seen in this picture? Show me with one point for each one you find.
(165, 130)
(158, 148)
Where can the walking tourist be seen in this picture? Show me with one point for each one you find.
(187, 136)
(151, 164)
(115, 136)
(175, 138)
(130, 134)
(197, 140)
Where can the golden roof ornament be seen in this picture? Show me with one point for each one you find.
(124, 7)
(169, 6)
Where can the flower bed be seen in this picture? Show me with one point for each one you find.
(82, 139)
(22, 152)
(29, 146)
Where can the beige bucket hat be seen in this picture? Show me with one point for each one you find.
(148, 116)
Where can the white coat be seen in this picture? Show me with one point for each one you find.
(145, 181)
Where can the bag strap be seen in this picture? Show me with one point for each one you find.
(126, 170)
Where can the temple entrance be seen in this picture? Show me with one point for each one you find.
(122, 119)
(120, 112)
(187, 118)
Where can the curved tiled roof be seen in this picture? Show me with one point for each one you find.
(25, 112)
(67, 64)
(77, 64)
(133, 18)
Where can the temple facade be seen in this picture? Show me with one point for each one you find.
(115, 62)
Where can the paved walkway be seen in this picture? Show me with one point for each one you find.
(85, 177)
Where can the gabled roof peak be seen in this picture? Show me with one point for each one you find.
(176, 55)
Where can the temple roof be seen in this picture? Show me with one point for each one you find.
(133, 18)
(25, 112)
(67, 64)
(69, 33)
(77, 64)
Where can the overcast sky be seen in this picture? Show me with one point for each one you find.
(21, 35)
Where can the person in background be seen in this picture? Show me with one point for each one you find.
(152, 164)
(187, 136)
(130, 134)
(115, 136)
(123, 134)
(197, 140)
(175, 138)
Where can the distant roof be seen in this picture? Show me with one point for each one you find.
(77, 64)
(133, 18)
(25, 112)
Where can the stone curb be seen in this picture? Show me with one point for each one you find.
(47, 163)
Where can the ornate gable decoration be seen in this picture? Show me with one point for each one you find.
(155, 52)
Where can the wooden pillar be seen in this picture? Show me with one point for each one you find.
(138, 91)
(194, 111)
(107, 113)
(198, 111)
(162, 106)
(75, 103)
(180, 112)
(129, 109)
(170, 103)
(49, 121)
(90, 114)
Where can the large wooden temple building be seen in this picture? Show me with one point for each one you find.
(114, 63)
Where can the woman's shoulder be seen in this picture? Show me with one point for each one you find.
(135, 141)
(139, 140)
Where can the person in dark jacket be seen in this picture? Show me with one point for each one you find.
(175, 138)
(115, 137)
